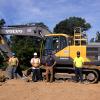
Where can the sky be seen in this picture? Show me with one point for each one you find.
(51, 12)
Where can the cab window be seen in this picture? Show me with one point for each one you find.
(63, 42)
(55, 43)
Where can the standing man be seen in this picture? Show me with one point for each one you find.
(78, 63)
(13, 64)
(35, 62)
(50, 62)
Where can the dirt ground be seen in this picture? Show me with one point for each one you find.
(58, 90)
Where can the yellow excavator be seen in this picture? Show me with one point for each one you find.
(64, 48)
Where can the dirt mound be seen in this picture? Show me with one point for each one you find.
(2, 76)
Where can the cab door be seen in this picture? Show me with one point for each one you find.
(62, 56)
(63, 47)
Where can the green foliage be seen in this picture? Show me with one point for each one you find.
(92, 40)
(24, 47)
(97, 37)
(67, 26)
(1, 61)
(2, 22)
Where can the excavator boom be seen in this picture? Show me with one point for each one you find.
(24, 30)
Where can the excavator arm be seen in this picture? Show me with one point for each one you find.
(24, 30)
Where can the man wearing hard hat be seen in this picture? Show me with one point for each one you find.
(35, 62)
(13, 64)
(78, 63)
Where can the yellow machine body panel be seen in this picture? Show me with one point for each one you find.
(82, 49)
(71, 51)
(63, 53)
(74, 49)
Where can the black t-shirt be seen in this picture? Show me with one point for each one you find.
(50, 61)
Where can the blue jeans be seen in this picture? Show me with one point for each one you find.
(36, 75)
(78, 74)
(12, 72)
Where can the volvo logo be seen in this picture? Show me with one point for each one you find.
(14, 31)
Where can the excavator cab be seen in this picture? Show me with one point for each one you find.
(54, 43)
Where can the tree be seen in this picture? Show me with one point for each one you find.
(2, 22)
(92, 40)
(1, 60)
(97, 39)
(24, 47)
(67, 26)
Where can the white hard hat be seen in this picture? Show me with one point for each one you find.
(57, 40)
(35, 54)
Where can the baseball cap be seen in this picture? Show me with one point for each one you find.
(78, 52)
